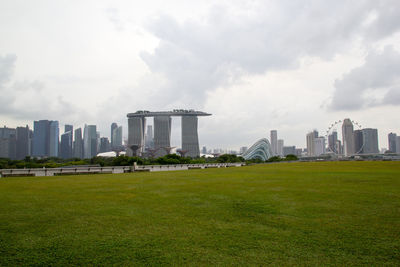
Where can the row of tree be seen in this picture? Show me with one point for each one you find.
(51, 162)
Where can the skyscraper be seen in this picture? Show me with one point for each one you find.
(332, 139)
(114, 125)
(370, 141)
(78, 144)
(104, 145)
(116, 137)
(289, 150)
(68, 128)
(190, 139)
(23, 142)
(398, 144)
(66, 145)
(274, 142)
(310, 143)
(90, 141)
(136, 135)
(149, 141)
(319, 146)
(7, 143)
(41, 133)
(348, 139)
(392, 137)
(54, 138)
(280, 145)
(358, 141)
(162, 134)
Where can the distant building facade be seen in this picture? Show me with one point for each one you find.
(54, 138)
(310, 140)
(332, 141)
(398, 144)
(358, 141)
(66, 145)
(289, 150)
(162, 135)
(319, 146)
(280, 145)
(8, 143)
(105, 145)
(348, 138)
(116, 136)
(41, 138)
(90, 141)
(190, 139)
(23, 145)
(274, 142)
(78, 144)
(392, 141)
(370, 141)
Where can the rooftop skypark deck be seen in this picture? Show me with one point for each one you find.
(175, 112)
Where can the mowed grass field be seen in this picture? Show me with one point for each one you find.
(327, 213)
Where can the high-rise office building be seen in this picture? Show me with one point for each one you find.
(105, 145)
(274, 142)
(392, 137)
(66, 145)
(54, 138)
(319, 146)
(114, 125)
(97, 142)
(41, 133)
(8, 143)
(348, 138)
(116, 138)
(68, 128)
(332, 139)
(398, 144)
(310, 143)
(23, 142)
(370, 141)
(289, 150)
(280, 145)
(358, 141)
(90, 141)
(339, 147)
(78, 144)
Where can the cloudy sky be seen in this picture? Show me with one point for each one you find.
(288, 65)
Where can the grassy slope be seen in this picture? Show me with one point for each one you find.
(292, 214)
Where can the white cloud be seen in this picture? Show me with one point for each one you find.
(376, 82)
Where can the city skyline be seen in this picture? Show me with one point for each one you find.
(297, 67)
(45, 139)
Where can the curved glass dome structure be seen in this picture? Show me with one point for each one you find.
(260, 150)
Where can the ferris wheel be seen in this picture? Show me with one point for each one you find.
(332, 146)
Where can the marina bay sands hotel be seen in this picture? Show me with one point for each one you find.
(162, 131)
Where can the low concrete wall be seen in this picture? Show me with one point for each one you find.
(115, 169)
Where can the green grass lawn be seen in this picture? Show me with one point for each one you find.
(334, 213)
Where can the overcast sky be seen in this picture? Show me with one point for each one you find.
(288, 65)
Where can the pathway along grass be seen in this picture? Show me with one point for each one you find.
(336, 213)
